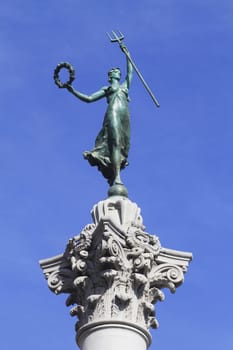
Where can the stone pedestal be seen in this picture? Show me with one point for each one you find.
(114, 272)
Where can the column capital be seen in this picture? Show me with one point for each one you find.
(114, 271)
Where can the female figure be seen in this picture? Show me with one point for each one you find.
(113, 141)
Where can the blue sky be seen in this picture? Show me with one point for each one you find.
(180, 171)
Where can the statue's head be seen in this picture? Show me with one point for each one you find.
(114, 73)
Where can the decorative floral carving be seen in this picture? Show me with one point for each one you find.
(114, 270)
(166, 276)
(55, 282)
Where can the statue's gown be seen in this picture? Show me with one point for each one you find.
(115, 131)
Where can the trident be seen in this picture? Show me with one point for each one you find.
(119, 38)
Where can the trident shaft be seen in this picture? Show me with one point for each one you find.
(118, 37)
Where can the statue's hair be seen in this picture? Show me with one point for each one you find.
(112, 69)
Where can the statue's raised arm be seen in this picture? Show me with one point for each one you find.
(129, 66)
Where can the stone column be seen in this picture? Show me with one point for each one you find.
(114, 273)
(113, 335)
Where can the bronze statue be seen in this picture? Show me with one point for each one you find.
(112, 143)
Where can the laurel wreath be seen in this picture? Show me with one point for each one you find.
(57, 71)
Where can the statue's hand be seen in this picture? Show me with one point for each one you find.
(123, 47)
(69, 88)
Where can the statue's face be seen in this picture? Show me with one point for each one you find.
(114, 73)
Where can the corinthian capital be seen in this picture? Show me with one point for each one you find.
(114, 270)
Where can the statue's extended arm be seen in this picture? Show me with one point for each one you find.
(87, 98)
(129, 66)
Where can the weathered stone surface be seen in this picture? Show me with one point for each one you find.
(114, 270)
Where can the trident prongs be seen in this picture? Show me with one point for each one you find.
(117, 36)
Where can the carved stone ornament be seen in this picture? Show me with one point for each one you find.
(114, 270)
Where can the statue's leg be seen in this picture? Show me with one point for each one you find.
(116, 163)
(115, 151)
